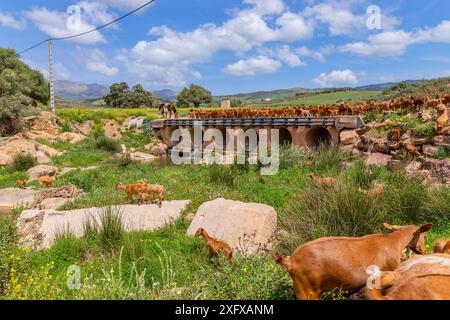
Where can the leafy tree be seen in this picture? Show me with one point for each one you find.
(195, 95)
(19, 86)
(236, 103)
(120, 96)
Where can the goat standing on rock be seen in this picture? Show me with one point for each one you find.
(342, 262)
(215, 246)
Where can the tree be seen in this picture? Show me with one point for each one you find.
(120, 96)
(19, 87)
(195, 95)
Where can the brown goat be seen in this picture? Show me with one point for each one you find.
(419, 278)
(412, 150)
(21, 183)
(442, 246)
(47, 180)
(215, 246)
(442, 120)
(341, 262)
(322, 182)
(156, 189)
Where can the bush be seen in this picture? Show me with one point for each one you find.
(23, 162)
(107, 144)
(337, 211)
(328, 159)
(111, 229)
(291, 156)
(437, 207)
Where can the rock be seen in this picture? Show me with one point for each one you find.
(38, 228)
(420, 141)
(405, 137)
(437, 139)
(413, 167)
(426, 115)
(381, 147)
(16, 144)
(397, 154)
(247, 227)
(434, 164)
(85, 128)
(142, 157)
(394, 145)
(378, 159)
(356, 152)
(136, 122)
(347, 148)
(361, 131)
(40, 170)
(66, 170)
(71, 137)
(429, 150)
(11, 198)
(112, 129)
(160, 149)
(360, 145)
(348, 137)
(53, 203)
(446, 131)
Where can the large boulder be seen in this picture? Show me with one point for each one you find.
(248, 228)
(38, 228)
(39, 171)
(11, 198)
(18, 144)
(159, 149)
(142, 157)
(112, 129)
(348, 137)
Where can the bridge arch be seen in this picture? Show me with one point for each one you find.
(317, 136)
(284, 136)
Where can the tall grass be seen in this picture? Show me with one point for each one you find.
(111, 229)
(23, 162)
(291, 156)
(107, 144)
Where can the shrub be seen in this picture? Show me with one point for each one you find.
(291, 156)
(23, 162)
(107, 144)
(111, 230)
(328, 159)
(322, 212)
(437, 207)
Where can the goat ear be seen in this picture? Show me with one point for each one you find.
(424, 228)
(390, 227)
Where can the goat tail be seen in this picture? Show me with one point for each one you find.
(284, 262)
(373, 294)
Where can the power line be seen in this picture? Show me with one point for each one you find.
(90, 31)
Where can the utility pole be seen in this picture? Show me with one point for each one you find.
(52, 84)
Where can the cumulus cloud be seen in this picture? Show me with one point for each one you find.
(124, 4)
(253, 66)
(95, 60)
(336, 78)
(266, 6)
(7, 20)
(54, 23)
(60, 72)
(395, 43)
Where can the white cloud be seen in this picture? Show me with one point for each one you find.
(59, 70)
(95, 60)
(253, 66)
(336, 78)
(7, 20)
(54, 23)
(125, 4)
(266, 6)
(294, 27)
(319, 55)
(283, 53)
(440, 33)
(389, 43)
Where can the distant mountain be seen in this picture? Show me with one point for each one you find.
(166, 93)
(384, 86)
(76, 91)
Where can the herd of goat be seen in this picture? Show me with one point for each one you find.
(343, 109)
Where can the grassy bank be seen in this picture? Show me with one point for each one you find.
(167, 264)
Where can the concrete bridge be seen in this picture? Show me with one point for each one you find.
(307, 132)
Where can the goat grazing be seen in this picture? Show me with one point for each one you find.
(155, 189)
(47, 180)
(341, 262)
(132, 190)
(21, 184)
(215, 246)
(322, 182)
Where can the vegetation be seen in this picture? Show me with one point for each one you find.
(421, 88)
(23, 162)
(194, 95)
(19, 87)
(120, 96)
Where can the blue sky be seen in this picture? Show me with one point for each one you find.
(233, 46)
